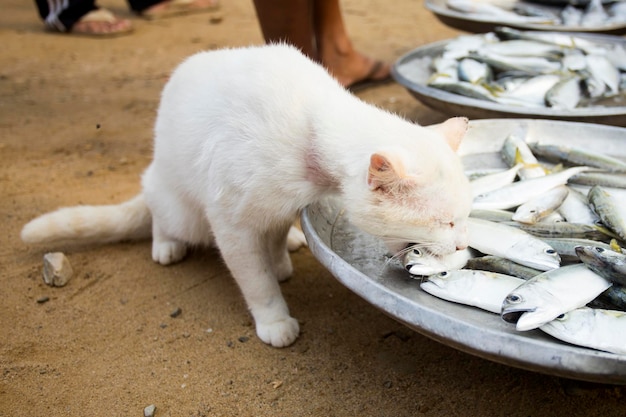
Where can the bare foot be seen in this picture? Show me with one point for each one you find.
(354, 68)
(101, 22)
(169, 8)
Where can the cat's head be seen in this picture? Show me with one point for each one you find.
(420, 194)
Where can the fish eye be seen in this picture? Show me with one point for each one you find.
(513, 298)
(599, 249)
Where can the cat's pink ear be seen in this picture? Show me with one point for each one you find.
(453, 130)
(384, 170)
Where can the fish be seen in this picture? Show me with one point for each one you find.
(420, 262)
(562, 39)
(604, 179)
(598, 329)
(576, 209)
(577, 156)
(464, 88)
(502, 266)
(515, 151)
(550, 294)
(493, 215)
(473, 71)
(565, 94)
(520, 192)
(498, 239)
(541, 206)
(491, 182)
(604, 261)
(483, 289)
(566, 247)
(567, 230)
(487, 9)
(609, 206)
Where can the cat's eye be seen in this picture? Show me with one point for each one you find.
(417, 252)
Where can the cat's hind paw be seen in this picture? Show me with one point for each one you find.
(295, 239)
(168, 251)
(279, 333)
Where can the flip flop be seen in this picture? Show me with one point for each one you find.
(104, 19)
(368, 81)
(178, 8)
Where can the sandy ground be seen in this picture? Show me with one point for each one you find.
(76, 116)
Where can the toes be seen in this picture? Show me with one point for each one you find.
(279, 333)
(168, 252)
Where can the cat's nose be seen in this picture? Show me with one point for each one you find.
(461, 246)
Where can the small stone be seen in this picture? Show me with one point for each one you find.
(243, 339)
(176, 313)
(57, 270)
(149, 411)
(43, 299)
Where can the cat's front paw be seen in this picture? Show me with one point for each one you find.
(279, 333)
(295, 239)
(167, 252)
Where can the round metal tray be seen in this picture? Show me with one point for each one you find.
(477, 23)
(359, 262)
(413, 71)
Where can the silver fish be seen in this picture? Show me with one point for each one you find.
(482, 289)
(463, 88)
(502, 266)
(574, 155)
(420, 262)
(515, 150)
(550, 294)
(561, 39)
(566, 247)
(609, 206)
(521, 191)
(493, 215)
(567, 230)
(491, 182)
(565, 94)
(576, 209)
(604, 179)
(594, 328)
(498, 239)
(604, 261)
(532, 92)
(473, 71)
(541, 206)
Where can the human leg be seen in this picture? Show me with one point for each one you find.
(336, 51)
(288, 21)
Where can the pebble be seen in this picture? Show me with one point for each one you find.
(176, 313)
(43, 299)
(57, 270)
(149, 411)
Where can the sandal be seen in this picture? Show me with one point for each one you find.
(101, 23)
(169, 8)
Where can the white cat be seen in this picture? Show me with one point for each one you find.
(246, 138)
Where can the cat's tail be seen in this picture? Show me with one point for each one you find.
(130, 220)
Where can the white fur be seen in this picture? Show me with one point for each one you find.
(245, 138)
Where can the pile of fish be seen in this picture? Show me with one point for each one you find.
(532, 69)
(545, 245)
(592, 14)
